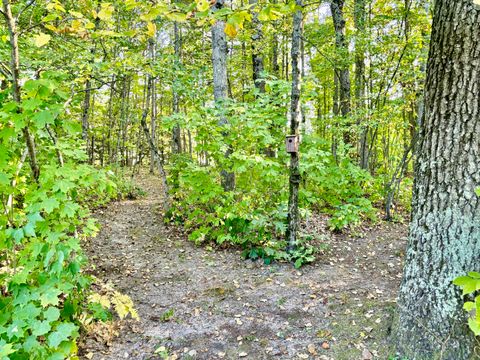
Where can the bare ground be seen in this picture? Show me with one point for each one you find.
(195, 303)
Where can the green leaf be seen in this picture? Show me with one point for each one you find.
(29, 230)
(467, 284)
(18, 235)
(34, 217)
(5, 349)
(50, 297)
(474, 326)
(51, 314)
(63, 185)
(29, 311)
(298, 263)
(474, 274)
(50, 204)
(69, 209)
(62, 333)
(41, 328)
(43, 118)
(31, 104)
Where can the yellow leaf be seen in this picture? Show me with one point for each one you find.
(89, 25)
(124, 306)
(101, 299)
(130, 4)
(230, 30)
(176, 16)
(202, 5)
(476, 2)
(41, 39)
(76, 14)
(60, 8)
(51, 27)
(106, 12)
(151, 29)
(76, 24)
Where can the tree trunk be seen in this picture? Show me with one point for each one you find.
(86, 111)
(257, 59)
(15, 72)
(336, 7)
(295, 178)
(220, 83)
(359, 20)
(153, 146)
(445, 228)
(177, 42)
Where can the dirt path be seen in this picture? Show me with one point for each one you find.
(201, 304)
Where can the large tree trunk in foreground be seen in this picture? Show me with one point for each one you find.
(295, 178)
(444, 239)
(220, 83)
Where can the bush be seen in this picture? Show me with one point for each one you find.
(254, 215)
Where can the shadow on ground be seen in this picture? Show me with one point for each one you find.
(199, 304)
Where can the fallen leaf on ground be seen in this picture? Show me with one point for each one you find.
(367, 355)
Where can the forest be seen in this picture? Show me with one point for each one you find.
(225, 179)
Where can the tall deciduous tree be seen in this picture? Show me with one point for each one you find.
(15, 74)
(294, 181)
(220, 82)
(257, 58)
(444, 239)
(342, 72)
(177, 44)
(359, 16)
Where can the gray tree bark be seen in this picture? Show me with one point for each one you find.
(176, 138)
(220, 83)
(444, 240)
(295, 178)
(153, 146)
(257, 58)
(343, 72)
(359, 16)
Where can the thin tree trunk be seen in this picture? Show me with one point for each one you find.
(86, 111)
(176, 132)
(153, 117)
(153, 147)
(445, 228)
(343, 72)
(257, 58)
(359, 20)
(88, 93)
(295, 178)
(275, 65)
(220, 84)
(15, 72)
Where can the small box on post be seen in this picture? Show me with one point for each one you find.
(291, 143)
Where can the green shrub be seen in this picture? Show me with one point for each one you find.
(253, 216)
(42, 287)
